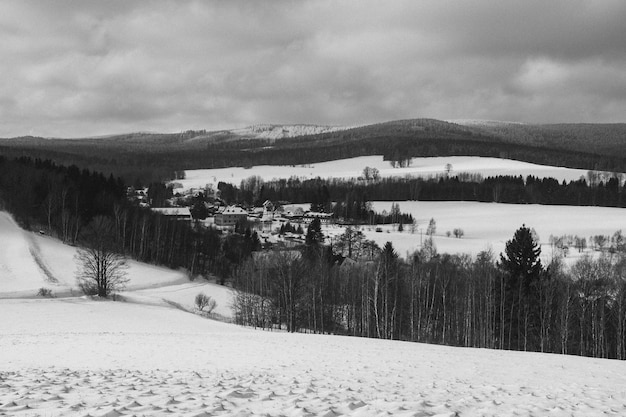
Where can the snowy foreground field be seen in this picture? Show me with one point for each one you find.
(150, 355)
(102, 358)
(353, 168)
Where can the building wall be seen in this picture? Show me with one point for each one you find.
(222, 219)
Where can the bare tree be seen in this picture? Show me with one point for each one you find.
(204, 301)
(101, 269)
(432, 227)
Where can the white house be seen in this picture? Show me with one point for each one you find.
(230, 216)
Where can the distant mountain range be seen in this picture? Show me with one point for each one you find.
(586, 146)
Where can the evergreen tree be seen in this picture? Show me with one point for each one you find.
(521, 259)
(314, 235)
(519, 298)
(198, 210)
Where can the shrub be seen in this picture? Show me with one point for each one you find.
(45, 292)
(204, 301)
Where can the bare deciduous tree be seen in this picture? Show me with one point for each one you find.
(101, 269)
(204, 301)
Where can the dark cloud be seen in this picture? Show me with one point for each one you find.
(89, 67)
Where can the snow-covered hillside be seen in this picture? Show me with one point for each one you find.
(29, 261)
(353, 168)
(479, 122)
(491, 225)
(488, 226)
(100, 358)
(272, 131)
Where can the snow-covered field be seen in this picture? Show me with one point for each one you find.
(491, 225)
(487, 226)
(353, 168)
(75, 356)
(148, 356)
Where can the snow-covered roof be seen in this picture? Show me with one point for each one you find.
(317, 214)
(234, 210)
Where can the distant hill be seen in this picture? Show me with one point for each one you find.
(601, 139)
(155, 156)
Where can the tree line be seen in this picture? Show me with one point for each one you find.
(338, 195)
(511, 301)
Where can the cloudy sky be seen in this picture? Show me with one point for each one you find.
(87, 67)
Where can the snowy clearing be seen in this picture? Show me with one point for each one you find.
(491, 225)
(82, 357)
(353, 168)
(488, 225)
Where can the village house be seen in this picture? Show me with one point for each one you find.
(268, 207)
(323, 217)
(230, 216)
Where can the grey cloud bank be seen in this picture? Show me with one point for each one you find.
(91, 68)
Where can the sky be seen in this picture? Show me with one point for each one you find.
(90, 68)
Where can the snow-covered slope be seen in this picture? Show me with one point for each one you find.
(271, 131)
(353, 168)
(488, 226)
(479, 122)
(18, 267)
(29, 262)
(183, 295)
(82, 357)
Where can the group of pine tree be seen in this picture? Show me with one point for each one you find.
(354, 287)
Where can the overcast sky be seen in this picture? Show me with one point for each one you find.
(83, 67)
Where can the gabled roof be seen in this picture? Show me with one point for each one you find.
(234, 210)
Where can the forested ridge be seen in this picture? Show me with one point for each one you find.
(146, 157)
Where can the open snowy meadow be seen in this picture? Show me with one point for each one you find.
(353, 168)
(150, 355)
(487, 226)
